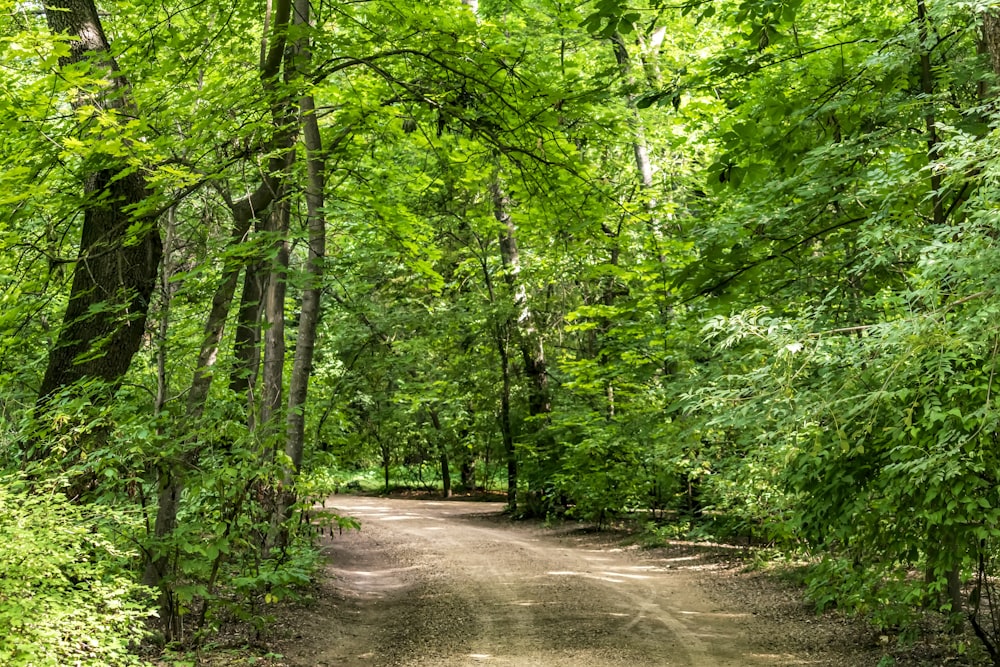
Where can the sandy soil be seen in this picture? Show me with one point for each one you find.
(452, 583)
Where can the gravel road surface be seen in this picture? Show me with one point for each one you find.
(436, 583)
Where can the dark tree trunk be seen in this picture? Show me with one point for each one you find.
(112, 283)
(990, 39)
(445, 465)
(927, 87)
(116, 270)
(529, 340)
(467, 474)
(506, 428)
(246, 345)
(445, 475)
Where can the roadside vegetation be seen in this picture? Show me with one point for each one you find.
(726, 265)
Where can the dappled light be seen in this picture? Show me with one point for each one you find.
(605, 332)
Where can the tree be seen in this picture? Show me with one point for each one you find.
(120, 247)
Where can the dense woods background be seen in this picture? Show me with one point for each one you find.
(728, 266)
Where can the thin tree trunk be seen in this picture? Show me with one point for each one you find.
(166, 296)
(443, 455)
(246, 344)
(529, 340)
(298, 384)
(501, 338)
(273, 369)
(445, 475)
(927, 87)
(172, 474)
(506, 428)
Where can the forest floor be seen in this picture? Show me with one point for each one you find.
(449, 583)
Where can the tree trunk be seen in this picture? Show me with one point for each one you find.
(120, 250)
(305, 345)
(445, 475)
(273, 370)
(990, 39)
(443, 457)
(172, 473)
(467, 474)
(166, 296)
(246, 343)
(927, 87)
(528, 338)
(506, 428)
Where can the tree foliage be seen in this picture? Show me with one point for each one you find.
(724, 265)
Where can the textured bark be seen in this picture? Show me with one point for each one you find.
(273, 368)
(305, 342)
(990, 39)
(529, 341)
(244, 212)
(927, 87)
(246, 343)
(116, 270)
(172, 473)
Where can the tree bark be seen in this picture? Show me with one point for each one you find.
(305, 344)
(120, 250)
(246, 344)
(273, 370)
(166, 297)
(172, 473)
(529, 340)
(990, 39)
(927, 87)
(506, 428)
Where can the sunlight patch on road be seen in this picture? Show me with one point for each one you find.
(608, 576)
(480, 656)
(716, 614)
(627, 576)
(371, 573)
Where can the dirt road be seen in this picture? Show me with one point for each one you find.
(449, 583)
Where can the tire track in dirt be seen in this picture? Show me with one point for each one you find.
(446, 583)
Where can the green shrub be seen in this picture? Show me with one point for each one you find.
(66, 597)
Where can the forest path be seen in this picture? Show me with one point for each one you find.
(452, 583)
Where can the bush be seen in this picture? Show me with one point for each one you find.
(66, 597)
